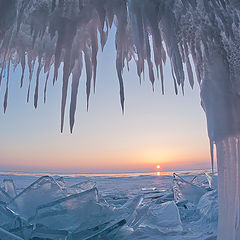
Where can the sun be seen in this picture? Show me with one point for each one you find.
(158, 166)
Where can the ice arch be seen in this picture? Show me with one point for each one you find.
(51, 32)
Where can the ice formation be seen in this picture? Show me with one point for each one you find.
(186, 191)
(87, 215)
(25, 204)
(164, 217)
(50, 32)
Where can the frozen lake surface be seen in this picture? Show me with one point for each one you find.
(109, 206)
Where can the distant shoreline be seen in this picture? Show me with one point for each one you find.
(107, 174)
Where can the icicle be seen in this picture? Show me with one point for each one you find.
(1, 75)
(6, 92)
(177, 66)
(162, 79)
(4, 62)
(88, 73)
(58, 52)
(94, 43)
(75, 83)
(102, 16)
(45, 87)
(23, 64)
(37, 82)
(104, 36)
(138, 33)
(174, 80)
(150, 65)
(31, 63)
(119, 72)
(189, 71)
(66, 74)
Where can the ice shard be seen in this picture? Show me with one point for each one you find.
(103, 231)
(185, 191)
(205, 180)
(9, 187)
(42, 191)
(164, 217)
(81, 187)
(196, 35)
(74, 213)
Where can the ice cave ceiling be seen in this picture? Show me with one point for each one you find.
(47, 33)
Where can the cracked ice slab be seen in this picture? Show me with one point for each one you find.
(42, 191)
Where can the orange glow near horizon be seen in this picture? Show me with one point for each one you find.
(127, 161)
(76, 155)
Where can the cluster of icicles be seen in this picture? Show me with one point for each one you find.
(50, 32)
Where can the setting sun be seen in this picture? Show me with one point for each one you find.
(158, 167)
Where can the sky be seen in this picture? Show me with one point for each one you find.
(168, 130)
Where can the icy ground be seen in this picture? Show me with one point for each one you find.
(181, 206)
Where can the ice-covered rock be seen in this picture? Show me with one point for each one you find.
(164, 217)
